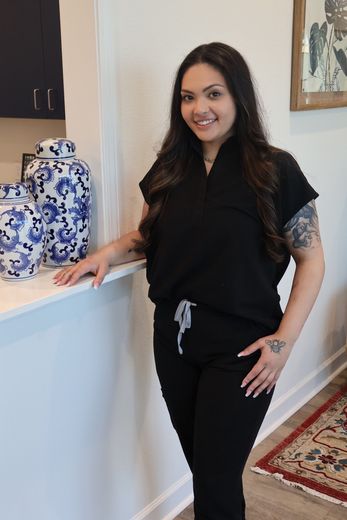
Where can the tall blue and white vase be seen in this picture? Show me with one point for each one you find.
(22, 233)
(60, 183)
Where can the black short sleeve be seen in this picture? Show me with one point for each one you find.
(295, 190)
(145, 182)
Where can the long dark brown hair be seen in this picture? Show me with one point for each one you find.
(256, 152)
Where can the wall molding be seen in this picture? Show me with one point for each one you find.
(106, 62)
(174, 499)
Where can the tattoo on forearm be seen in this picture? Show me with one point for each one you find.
(275, 345)
(303, 227)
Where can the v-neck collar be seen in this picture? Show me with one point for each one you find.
(196, 144)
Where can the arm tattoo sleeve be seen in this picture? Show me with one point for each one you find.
(303, 227)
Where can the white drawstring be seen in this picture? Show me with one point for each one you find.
(184, 318)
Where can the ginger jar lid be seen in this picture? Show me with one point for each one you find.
(55, 148)
(17, 191)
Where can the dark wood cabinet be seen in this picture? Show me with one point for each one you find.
(31, 74)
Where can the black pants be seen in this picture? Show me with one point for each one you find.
(216, 424)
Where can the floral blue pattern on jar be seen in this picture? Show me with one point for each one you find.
(60, 183)
(22, 233)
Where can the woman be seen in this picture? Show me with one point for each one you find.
(223, 213)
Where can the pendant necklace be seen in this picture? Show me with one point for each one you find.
(209, 160)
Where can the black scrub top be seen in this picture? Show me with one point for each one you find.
(208, 243)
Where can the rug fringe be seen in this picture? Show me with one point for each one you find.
(280, 477)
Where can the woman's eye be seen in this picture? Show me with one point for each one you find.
(214, 94)
(186, 97)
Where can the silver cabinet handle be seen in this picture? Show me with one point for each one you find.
(36, 102)
(50, 99)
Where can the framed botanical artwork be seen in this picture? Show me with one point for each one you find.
(319, 54)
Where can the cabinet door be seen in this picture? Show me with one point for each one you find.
(54, 92)
(22, 84)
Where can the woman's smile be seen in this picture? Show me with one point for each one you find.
(205, 122)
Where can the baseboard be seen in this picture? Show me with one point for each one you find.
(290, 402)
(178, 496)
(181, 507)
(175, 499)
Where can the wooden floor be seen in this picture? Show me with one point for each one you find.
(269, 499)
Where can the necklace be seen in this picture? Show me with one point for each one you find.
(209, 160)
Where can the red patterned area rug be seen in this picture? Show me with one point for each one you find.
(314, 456)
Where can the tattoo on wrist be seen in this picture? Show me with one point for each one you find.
(275, 345)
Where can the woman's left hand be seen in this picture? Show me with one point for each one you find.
(275, 351)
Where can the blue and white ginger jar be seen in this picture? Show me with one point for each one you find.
(22, 233)
(60, 183)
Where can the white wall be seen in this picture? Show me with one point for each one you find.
(83, 435)
(19, 136)
(86, 435)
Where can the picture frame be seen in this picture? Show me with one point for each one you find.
(26, 159)
(319, 57)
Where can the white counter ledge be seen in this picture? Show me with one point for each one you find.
(22, 296)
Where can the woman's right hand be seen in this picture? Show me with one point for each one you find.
(97, 263)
